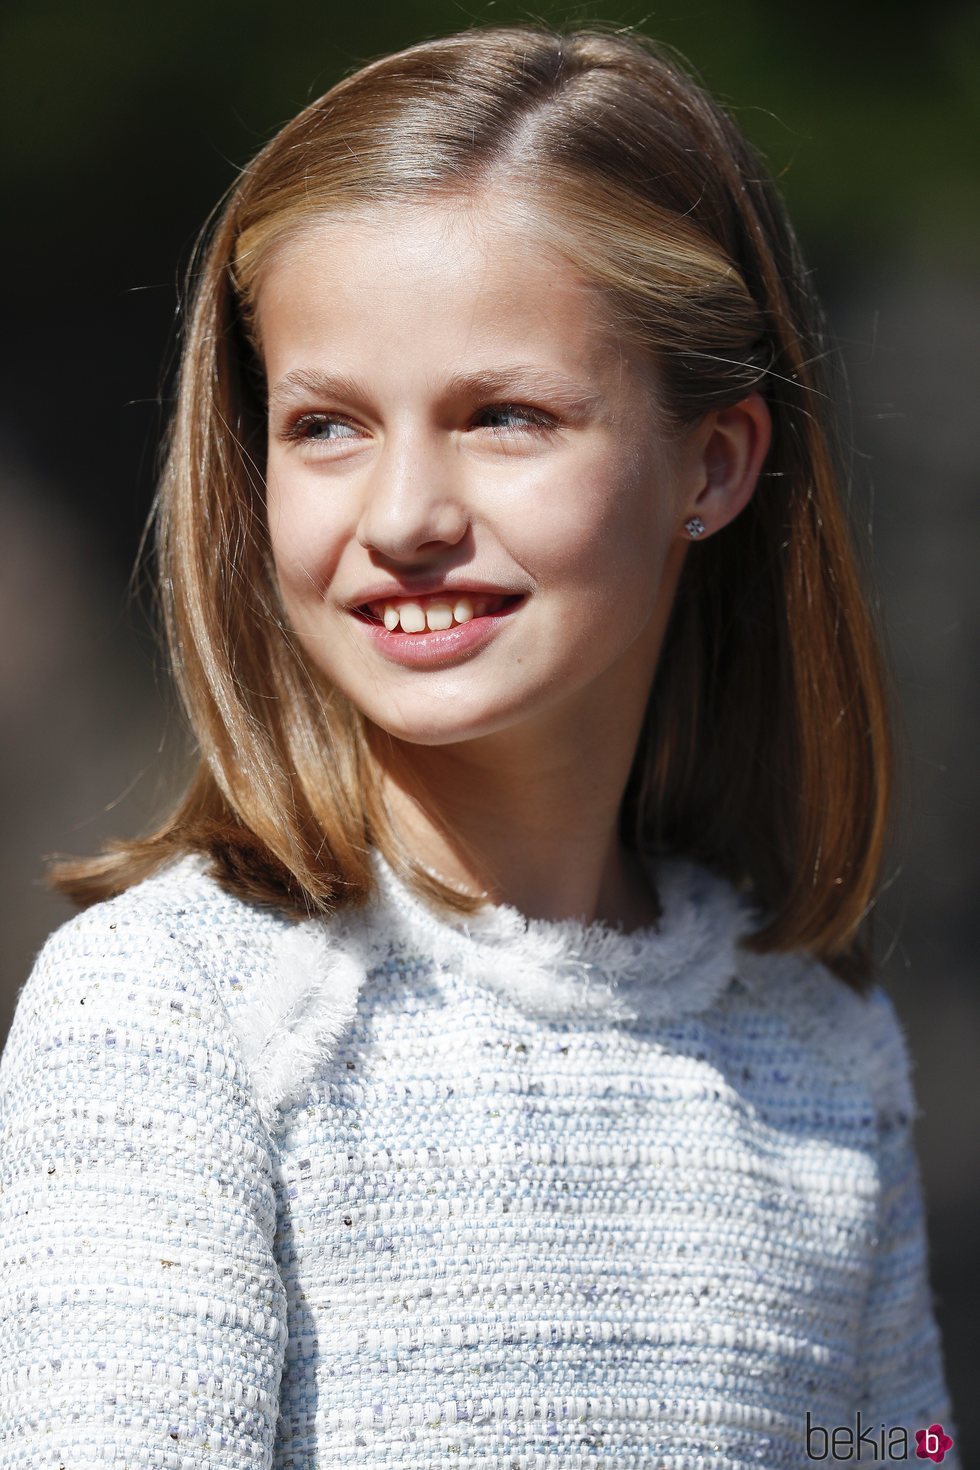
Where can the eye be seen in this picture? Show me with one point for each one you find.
(320, 428)
(520, 417)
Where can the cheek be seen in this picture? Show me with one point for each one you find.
(303, 541)
(612, 535)
(280, 519)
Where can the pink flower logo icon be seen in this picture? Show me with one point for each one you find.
(932, 1443)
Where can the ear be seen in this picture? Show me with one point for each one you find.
(725, 454)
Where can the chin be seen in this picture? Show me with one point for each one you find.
(442, 726)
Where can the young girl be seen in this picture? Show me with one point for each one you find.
(482, 1066)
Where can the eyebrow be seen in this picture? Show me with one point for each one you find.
(516, 381)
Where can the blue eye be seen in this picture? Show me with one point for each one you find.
(316, 428)
(522, 418)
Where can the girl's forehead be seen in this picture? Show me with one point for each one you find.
(479, 263)
(434, 229)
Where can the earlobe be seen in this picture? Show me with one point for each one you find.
(734, 445)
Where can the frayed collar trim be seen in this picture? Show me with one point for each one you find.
(555, 968)
(560, 970)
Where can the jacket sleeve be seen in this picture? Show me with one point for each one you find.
(904, 1377)
(142, 1317)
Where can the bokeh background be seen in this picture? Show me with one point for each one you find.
(123, 125)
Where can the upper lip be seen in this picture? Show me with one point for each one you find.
(391, 592)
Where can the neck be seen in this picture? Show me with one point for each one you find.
(533, 824)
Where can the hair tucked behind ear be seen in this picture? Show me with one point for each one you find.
(765, 750)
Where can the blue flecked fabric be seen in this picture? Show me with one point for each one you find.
(390, 1191)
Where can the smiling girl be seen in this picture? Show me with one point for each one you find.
(483, 1064)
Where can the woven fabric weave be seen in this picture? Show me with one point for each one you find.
(388, 1191)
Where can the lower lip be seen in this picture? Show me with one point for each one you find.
(435, 650)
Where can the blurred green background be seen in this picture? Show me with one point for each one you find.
(123, 125)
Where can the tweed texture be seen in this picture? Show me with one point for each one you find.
(388, 1191)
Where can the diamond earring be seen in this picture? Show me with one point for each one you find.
(694, 527)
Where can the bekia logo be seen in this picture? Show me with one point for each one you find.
(846, 1442)
(932, 1443)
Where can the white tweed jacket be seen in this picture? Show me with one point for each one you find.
(388, 1191)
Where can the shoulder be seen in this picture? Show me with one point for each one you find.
(177, 955)
(840, 1041)
(180, 906)
(175, 988)
(169, 954)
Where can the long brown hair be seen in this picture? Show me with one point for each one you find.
(765, 749)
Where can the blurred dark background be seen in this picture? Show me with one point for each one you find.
(124, 123)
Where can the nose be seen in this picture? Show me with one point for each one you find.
(412, 503)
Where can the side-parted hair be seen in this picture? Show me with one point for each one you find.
(765, 749)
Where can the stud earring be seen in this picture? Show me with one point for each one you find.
(695, 527)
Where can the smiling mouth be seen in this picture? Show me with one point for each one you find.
(435, 614)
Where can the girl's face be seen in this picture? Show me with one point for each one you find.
(456, 437)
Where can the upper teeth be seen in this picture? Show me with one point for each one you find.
(436, 616)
